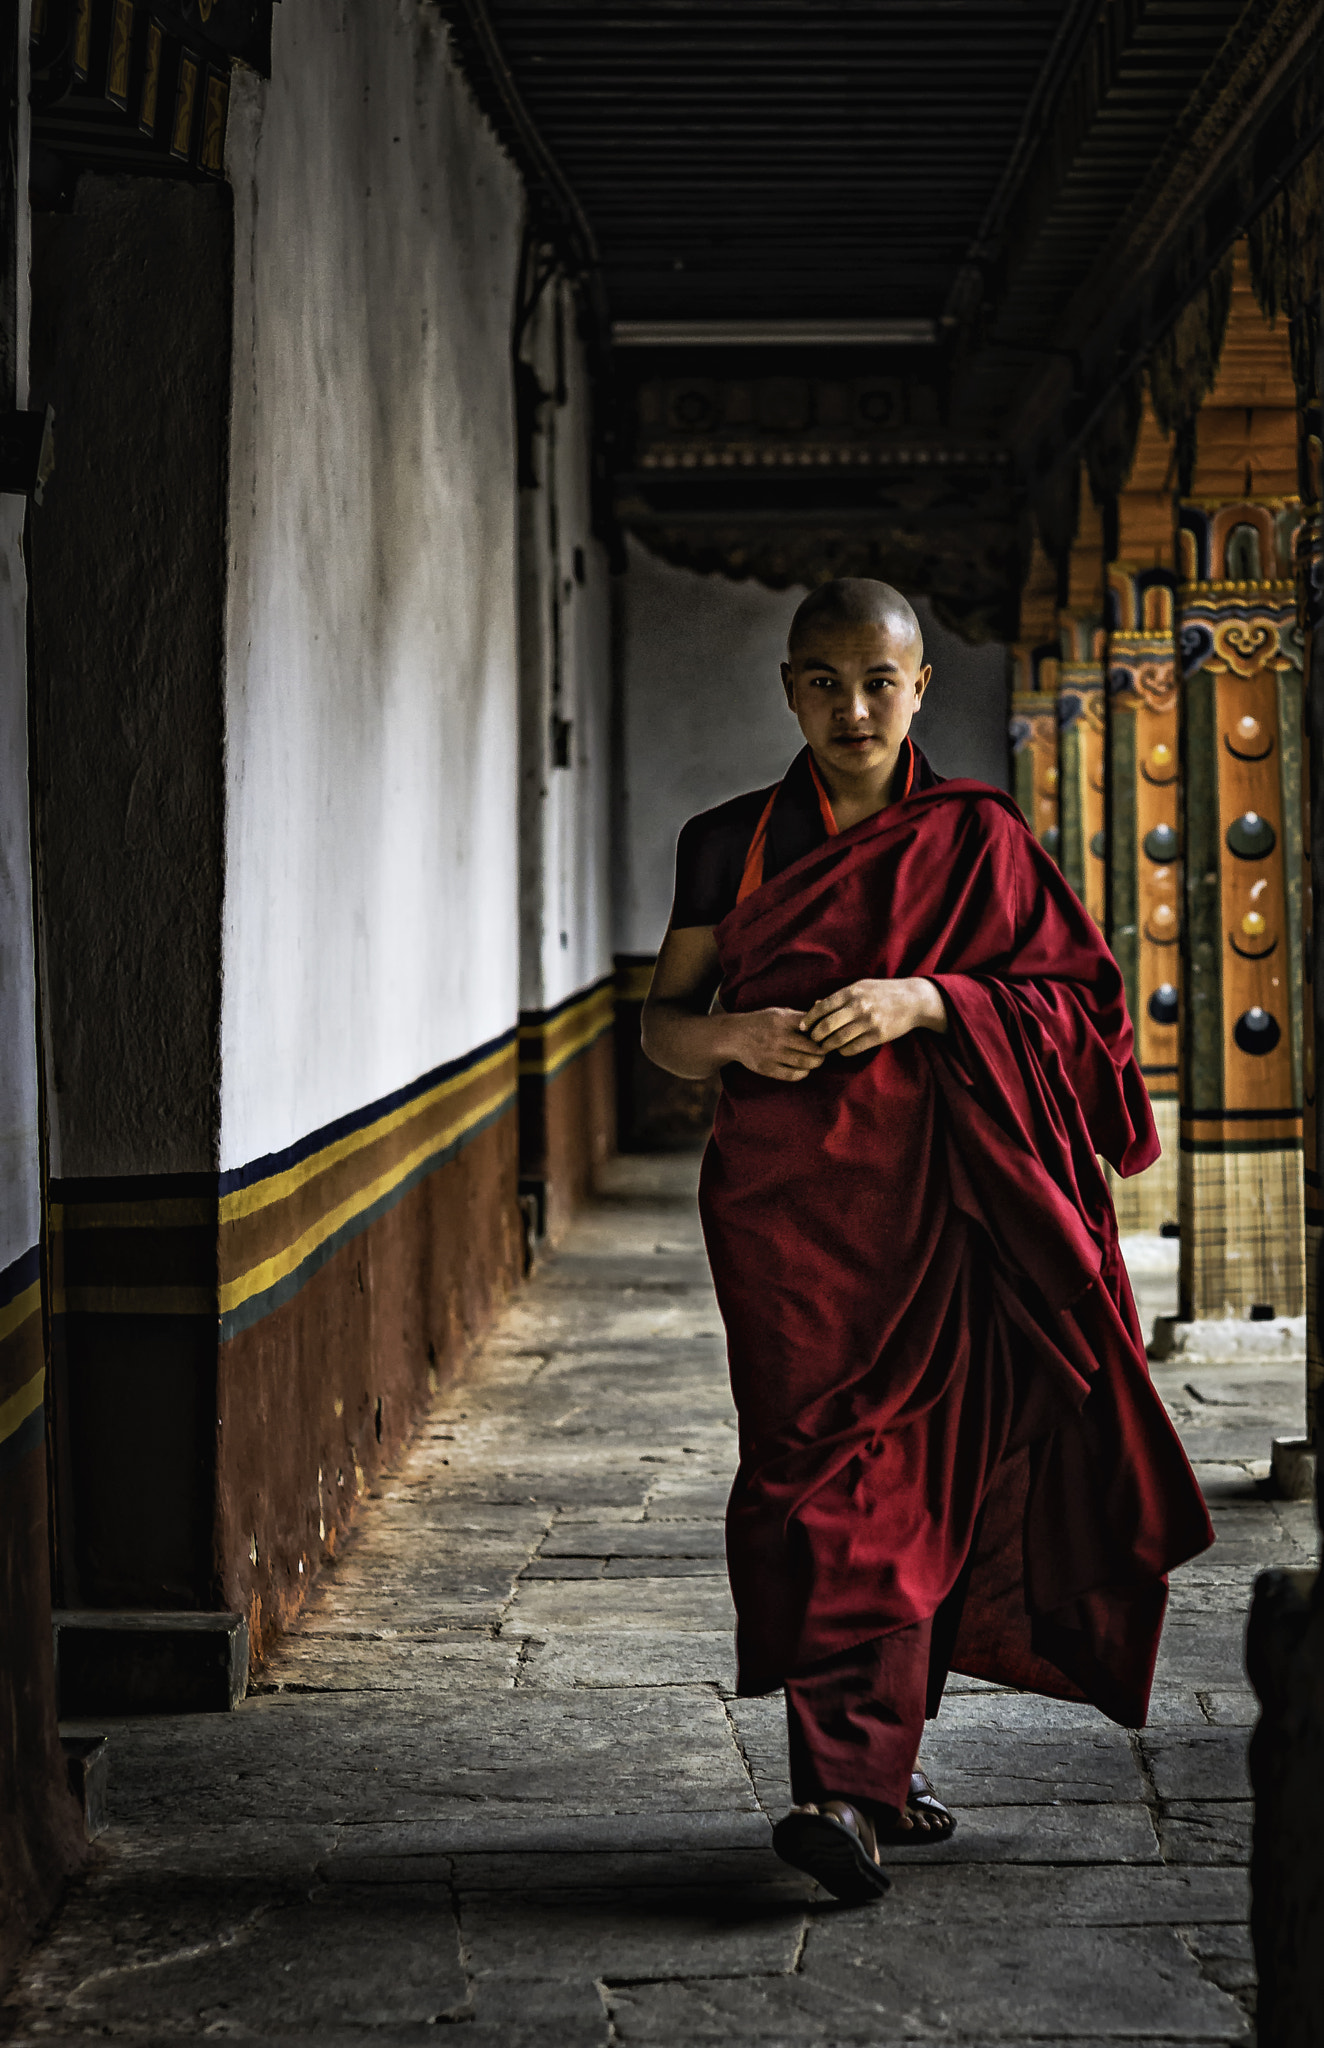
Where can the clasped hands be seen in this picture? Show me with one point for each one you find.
(789, 1045)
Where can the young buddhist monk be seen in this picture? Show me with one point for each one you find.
(951, 1456)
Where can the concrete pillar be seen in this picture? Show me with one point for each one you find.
(1034, 707)
(1310, 612)
(1143, 912)
(1081, 713)
(1243, 1249)
(40, 1827)
(132, 297)
(276, 666)
(567, 1095)
(1285, 1636)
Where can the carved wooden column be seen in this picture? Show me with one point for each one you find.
(1034, 704)
(1310, 615)
(1081, 714)
(1242, 1228)
(1143, 910)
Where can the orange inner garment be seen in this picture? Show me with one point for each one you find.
(752, 876)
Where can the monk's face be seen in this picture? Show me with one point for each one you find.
(855, 689)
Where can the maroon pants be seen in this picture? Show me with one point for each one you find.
(854, 1721)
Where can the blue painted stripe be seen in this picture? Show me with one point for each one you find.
(17, 1278)
(531, 1020)
(25, 1438)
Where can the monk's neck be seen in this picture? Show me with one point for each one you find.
(856, 797)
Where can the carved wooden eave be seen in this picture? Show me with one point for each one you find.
(1227, 159)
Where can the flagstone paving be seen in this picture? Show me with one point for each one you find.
(497, 1779)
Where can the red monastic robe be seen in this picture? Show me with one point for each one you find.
(939, 1372)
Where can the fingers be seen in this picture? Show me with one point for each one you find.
(792, 1064)
(847, 1017)
(857, 1036)
(826, 1007)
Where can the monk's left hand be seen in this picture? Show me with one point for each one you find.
(871, 1013)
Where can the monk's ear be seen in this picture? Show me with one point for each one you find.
(788, 685)
(922, 681)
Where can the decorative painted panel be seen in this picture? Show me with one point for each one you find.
(1082, 785)
(1310, 614)
(1144, 890)
(1034, 763)
(1241, 1202)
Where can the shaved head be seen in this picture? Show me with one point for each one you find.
(856, 601)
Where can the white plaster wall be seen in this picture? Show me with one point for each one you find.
(566, 907)
(371, 927)
(704, 716)
(19, 1195)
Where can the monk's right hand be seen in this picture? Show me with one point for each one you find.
(773, 1043)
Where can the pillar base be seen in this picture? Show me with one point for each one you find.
(140, 1663)
(1228, 1340)
(85, 1759)
(1285, 1658)
(1293, 1468)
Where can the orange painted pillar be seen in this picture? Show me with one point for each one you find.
(1144, 869)
(1241, 1195)
(1310, 616)
(1081, 714)
(1034, 704)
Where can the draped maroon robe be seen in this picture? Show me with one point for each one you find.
(936, 1360)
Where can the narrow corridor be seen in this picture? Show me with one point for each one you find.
(496, 1776)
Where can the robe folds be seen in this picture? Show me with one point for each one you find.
(940, 1376)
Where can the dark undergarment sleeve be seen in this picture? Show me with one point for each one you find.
(710, 859)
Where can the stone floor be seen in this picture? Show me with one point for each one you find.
(497, 1776)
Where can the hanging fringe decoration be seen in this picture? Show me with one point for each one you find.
(1184, 362)
(1283, 243)
(1056, 502)
(1111, 448)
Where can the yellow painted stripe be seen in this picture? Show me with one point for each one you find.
(180, 1213)
(633, 983)
(545, 1047)
(15, 1411)
(16, 1312)
(1276, 587)
(135, 1301)
(259, 1278)
(593, 1001)
(247, 1201)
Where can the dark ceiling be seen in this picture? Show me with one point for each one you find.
(1038, 184)
(808, 158)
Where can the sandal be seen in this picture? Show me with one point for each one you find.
(835, 1847)
(923, 1800)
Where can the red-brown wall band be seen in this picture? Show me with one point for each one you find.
(577, 1127)
(234, 1357)
(263, 1344)
(567, 1100)
(316, 1397)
